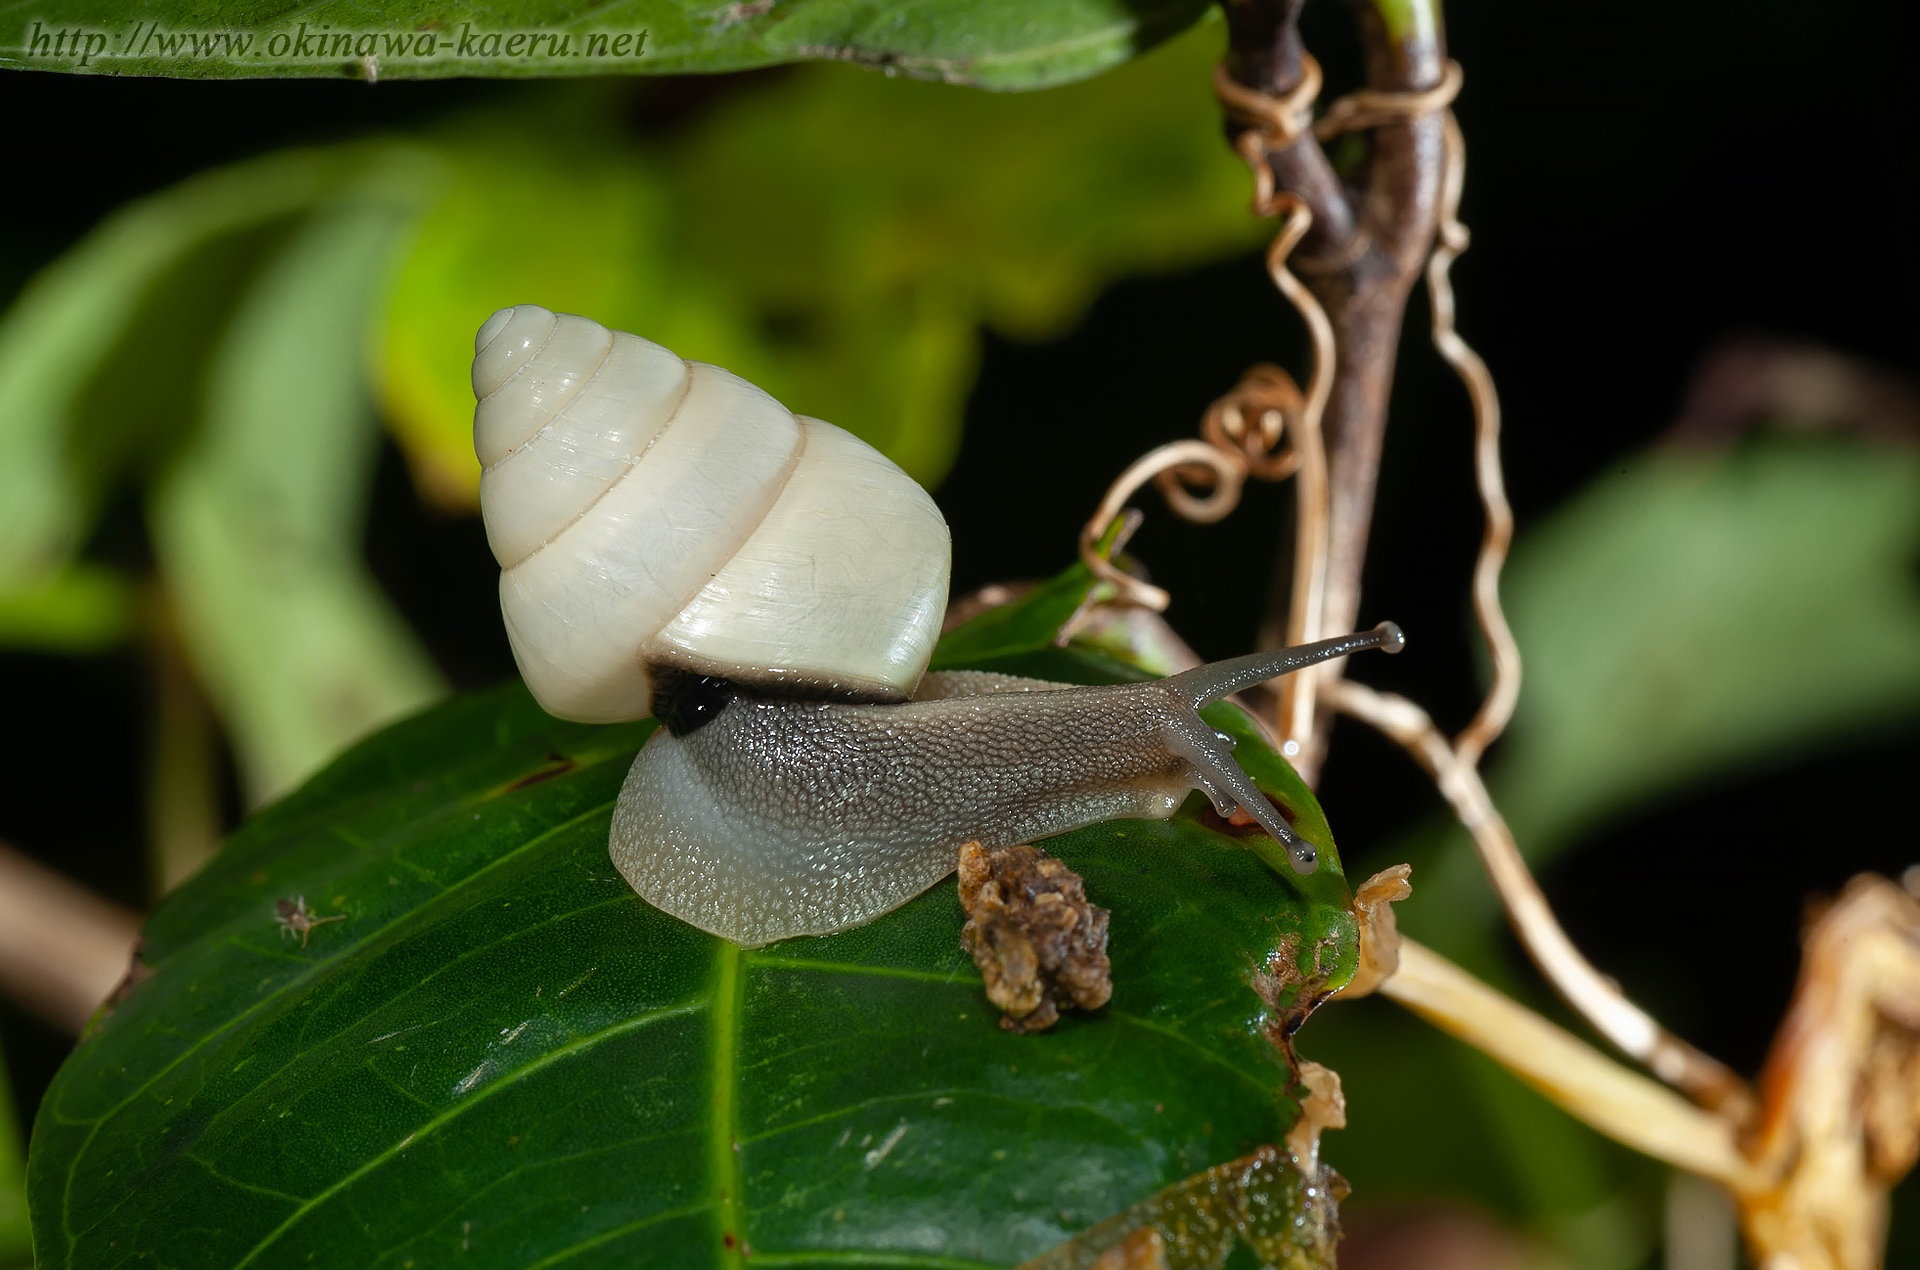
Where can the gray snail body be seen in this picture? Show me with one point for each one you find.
(793, 791)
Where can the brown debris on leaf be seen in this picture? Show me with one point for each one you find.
(1039, 944)
(1294, 982)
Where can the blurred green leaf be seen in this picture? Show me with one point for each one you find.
(1696, 613)
(16, 1242)
(82, 609)
(1700, 612)
(876, 224)
(257, 523)
(502, 1056)
(67, 443)
(1007, 44)
(562, 215)
(836, 237)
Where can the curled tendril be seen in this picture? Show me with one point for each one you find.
(1264, 409)
(1176, 460)
(1265, 428)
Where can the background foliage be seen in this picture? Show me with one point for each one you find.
(743, 222)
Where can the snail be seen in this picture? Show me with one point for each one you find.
(675, 543)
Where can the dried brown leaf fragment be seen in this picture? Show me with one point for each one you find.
(1039, 944)
(1839, 1118)
(1322, 1107)
(1379, 931)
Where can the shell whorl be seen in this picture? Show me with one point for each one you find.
(648, 511)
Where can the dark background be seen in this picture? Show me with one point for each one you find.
(1645, 180)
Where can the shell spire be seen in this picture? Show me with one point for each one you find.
(653, 512)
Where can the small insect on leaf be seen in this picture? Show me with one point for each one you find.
(295, 917)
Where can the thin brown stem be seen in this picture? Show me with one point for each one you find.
(1305, 623)
(1227, 474)
(63, 949)
(183, 798)
(1597, 998)
(1618, 1102)
(1504, 654)
(1265, 54)
(1366, 249)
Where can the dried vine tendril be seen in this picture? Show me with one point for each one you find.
(1273, 124)
(1266, 428)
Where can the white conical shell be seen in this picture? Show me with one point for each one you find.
(648, 511)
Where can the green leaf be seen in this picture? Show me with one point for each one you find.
(82, 609)
(1700, 612)
(1692, 615)
(1264, 1203)
(99, 353)
(501, 1056)
(257, 523)
(877, 224)
(16, 1244)
(1008, 44)
(835, 237)
(1025, 629)
(552, 211)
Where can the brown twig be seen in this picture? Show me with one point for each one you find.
(63, 949)
(1272, 126)
(1369, 241)
(1265, 54)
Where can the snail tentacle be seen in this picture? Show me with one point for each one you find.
(1227, 784)
(1206, 684)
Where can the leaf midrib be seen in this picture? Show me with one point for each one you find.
(723, 1149)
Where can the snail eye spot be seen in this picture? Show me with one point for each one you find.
(687, 702)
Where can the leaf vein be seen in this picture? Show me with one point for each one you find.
(479, 1096)
(73, 1166)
